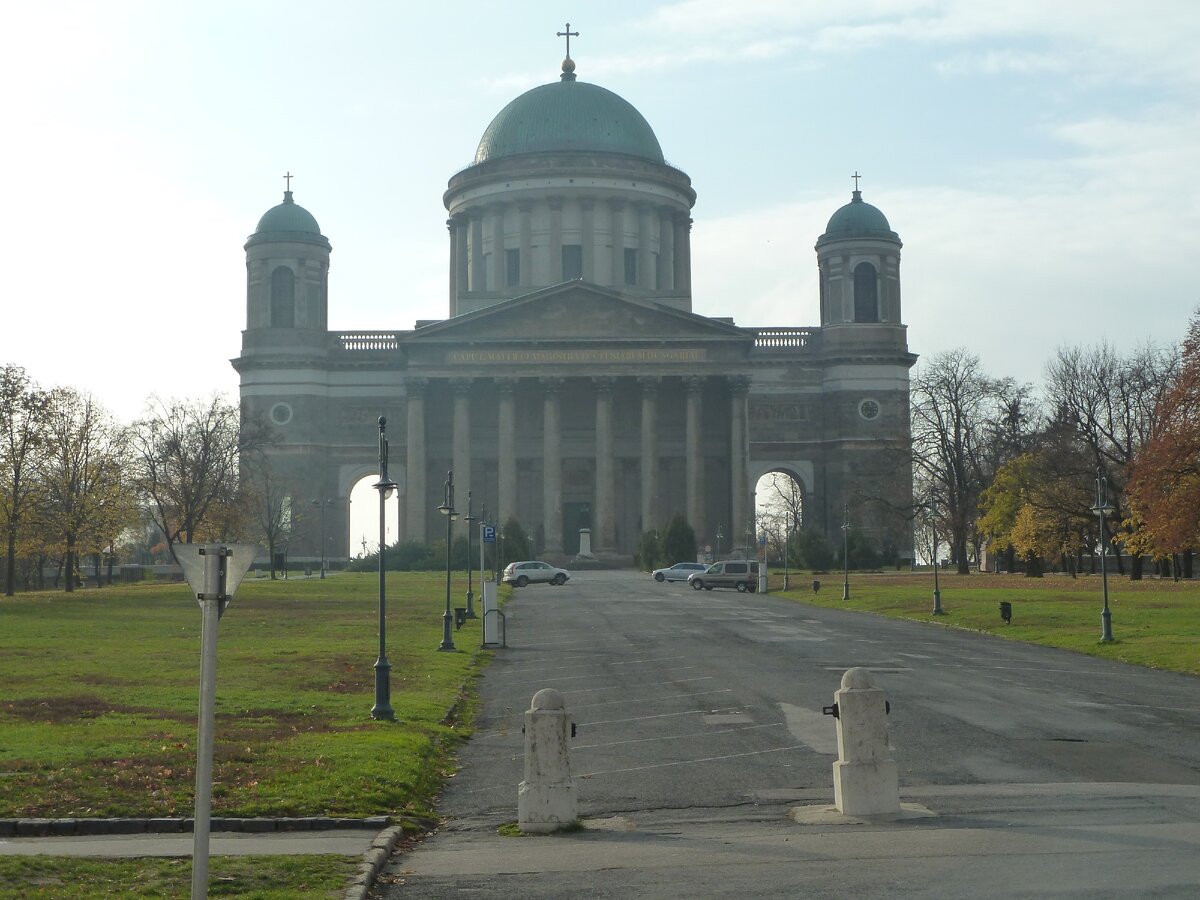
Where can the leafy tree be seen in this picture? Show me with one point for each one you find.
(21, 439)
(516, 542)
(813, 550)
(1164, 475)
(88, 501)
(679, 541)
(648, 553)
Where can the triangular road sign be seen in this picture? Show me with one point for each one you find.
(201, 568)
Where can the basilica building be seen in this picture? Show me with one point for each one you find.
(569, 384)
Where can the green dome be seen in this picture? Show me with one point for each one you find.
(287, 216)
(858, 219)
(569, 115)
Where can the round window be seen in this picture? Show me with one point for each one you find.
(281, 414)
(868, 409)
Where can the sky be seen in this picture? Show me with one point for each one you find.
(1039, 161)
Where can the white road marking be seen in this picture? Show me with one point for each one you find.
(814, 728)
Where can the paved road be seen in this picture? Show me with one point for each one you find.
(700, 726)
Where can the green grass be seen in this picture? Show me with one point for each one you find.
(257, 877)
(98, 716)
(1156, 622)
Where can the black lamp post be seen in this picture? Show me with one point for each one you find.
(447, 510)
(470, 520)
(1101, 509)
(322, 504)
(937, 594)
(383, 701)
(720, 534)
(846, 555)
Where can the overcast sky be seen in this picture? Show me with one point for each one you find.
(1039, 161)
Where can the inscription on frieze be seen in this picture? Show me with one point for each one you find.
(778, 411)
(557, 357)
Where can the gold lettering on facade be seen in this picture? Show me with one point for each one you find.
(574, 356)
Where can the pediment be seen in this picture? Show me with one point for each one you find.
(576, 311)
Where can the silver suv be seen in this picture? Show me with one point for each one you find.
(741, 574)
(529, 571)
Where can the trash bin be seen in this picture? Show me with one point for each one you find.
(1006, 612)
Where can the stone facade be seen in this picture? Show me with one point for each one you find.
(571, 385)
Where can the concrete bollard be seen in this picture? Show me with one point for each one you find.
(864, 777)
(546, 798)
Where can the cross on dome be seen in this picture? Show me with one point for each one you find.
(568, 34)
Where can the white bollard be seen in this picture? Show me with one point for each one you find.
(546, 798)
(864, 777)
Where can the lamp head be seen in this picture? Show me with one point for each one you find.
(385, 486)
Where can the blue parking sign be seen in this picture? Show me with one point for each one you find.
(489, 534)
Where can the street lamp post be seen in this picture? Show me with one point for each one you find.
(787, 533)
(749, 540)
(1101, 509)
(846, 555)
(720, 534)
(937, 594)
(447, 510)
(322, 504)
(383, 701)
(471, 520)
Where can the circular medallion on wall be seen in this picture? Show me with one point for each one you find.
(868, 409)
(281, 414)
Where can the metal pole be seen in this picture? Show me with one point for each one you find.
(937, 594)
(470, 520)
(787, 526)
(846, 555)
(482, 525)
(210, 616)
(447, 509)
(383, 670)
(1102, 507)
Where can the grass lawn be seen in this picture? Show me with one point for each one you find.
(1155, 622)
(99, 706)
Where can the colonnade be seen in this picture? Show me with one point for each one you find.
(604, 496)
(602, 228)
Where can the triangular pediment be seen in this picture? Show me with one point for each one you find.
(577, 311)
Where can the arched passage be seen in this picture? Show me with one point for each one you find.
(778, 511)
(364, 516)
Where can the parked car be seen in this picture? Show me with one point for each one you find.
(741, 574)
(531, 571)
(679, 571)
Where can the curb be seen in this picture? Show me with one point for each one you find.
(373, 862)
(34, 827)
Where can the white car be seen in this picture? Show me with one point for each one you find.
(532, 570)
(679, 571)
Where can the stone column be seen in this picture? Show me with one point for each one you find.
(587, 237)
(461, 280)
(695, 454)
(650, 514)
(450, 226)
(478, 274)
(508, 449)
(617, 216)
(415, 467)
(666, 247)
(525, 208)
(683, 252)
(645, 272)
(461, 439)
(556, 270)
(498, 279)
(604, 530)
(741, 510)
(552, 465)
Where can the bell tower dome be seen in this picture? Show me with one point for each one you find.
(859, 259)
(287, 271)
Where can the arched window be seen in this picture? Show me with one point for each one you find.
(283, 298)
(866, 293)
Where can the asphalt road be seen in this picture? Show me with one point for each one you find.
(700, 726)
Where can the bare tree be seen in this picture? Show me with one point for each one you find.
(187, 455)
(953, 402)
(82, 473)
(268, 503)
(1110, 403)
(22, 408)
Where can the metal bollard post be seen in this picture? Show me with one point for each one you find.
(546, 798)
